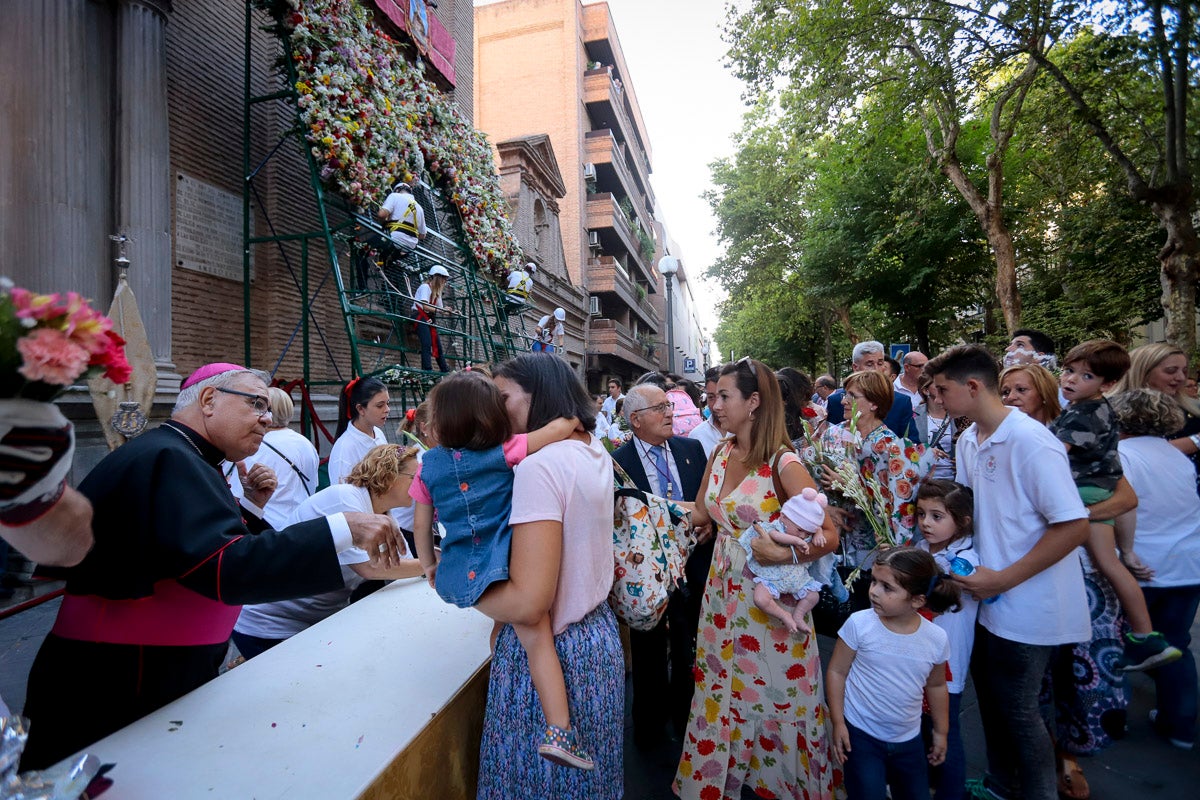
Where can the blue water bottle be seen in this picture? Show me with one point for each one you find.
(960, 566)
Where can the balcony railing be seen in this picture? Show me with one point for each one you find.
(605, 275)
(609, 337)
(600, 93)
(604, 215)
(603, 149)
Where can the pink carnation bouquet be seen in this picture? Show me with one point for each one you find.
(51, 341)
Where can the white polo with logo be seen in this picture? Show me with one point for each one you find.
(1022, 483)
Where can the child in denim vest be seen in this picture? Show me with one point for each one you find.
(468, 478)
(1088, 429)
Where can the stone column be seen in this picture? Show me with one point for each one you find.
(55, 146)
(143, 169)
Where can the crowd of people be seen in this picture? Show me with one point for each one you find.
(971, 515)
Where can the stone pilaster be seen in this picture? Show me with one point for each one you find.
(143, 165)
(56, 139)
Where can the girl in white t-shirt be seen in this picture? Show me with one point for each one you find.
(887, 658)
(944, 511)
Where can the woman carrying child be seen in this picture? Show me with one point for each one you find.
(758, 718)
(944, 511)
(468, 478)
(888, 658)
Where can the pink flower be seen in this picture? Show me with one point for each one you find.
(51, 357)
(34, 306)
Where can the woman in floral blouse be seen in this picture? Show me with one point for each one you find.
(897, 465)
(758, 717)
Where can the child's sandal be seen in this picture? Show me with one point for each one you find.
(1072, 785)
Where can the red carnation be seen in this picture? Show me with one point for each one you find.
(809, 412)
(795, 672)
(705, 747)
(748, 642)
(719, 620)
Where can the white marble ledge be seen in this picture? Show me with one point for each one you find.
(318, 716)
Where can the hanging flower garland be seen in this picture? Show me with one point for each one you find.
(373, 118)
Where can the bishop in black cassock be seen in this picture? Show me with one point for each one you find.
(148, 613)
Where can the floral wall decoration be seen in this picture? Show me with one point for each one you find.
(373, 118)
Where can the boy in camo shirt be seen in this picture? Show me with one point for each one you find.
(1088, 429)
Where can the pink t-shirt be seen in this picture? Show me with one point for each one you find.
(515, 450)
(572, 482)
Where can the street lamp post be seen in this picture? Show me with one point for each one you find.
(704, 354)
(668, 266)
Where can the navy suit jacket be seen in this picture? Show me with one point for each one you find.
(689, 461)
(899, 419)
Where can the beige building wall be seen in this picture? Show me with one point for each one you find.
(529, 80)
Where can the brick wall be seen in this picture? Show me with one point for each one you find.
(205, 57)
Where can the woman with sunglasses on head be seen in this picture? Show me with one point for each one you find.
(782, 744)
(363, 408)
(378, 484)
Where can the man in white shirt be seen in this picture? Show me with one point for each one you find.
(709, 432)
(908, 381)
(1029, 521)
(403, 216)
(520, 284)
(550, 333)
(609, 408)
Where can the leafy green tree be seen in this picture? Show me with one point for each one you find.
(820, 58)
(1131, 44)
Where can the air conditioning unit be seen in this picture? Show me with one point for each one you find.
(594, 240)
(594, 305)
(589, 173)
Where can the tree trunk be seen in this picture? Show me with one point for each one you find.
(922, 326)
(1005, 253)
(1179, 272)
(827, 319)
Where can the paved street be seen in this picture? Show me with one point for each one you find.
(1139, 766)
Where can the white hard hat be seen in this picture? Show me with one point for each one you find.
(560, 314)
(438, 269)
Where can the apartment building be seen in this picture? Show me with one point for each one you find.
(556, 68)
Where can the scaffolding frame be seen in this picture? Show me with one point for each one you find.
(481, 324)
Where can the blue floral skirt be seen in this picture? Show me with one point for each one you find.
(1090, 693)
(594, 668)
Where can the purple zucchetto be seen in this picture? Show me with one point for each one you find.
(209, 370)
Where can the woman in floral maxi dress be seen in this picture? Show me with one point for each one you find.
(758, 717)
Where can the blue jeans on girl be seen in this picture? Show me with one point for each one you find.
(949, 779)
(874, 765)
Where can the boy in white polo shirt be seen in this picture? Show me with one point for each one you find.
(1029, 521)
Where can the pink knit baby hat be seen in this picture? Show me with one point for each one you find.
(806, 509)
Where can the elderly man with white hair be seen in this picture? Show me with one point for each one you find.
(866, 356)
(672, 467)
(148, 612)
